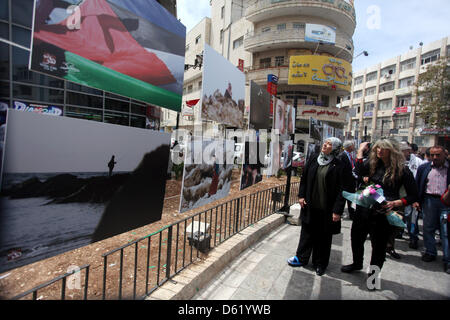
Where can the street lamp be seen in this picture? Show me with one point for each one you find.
(364, 52)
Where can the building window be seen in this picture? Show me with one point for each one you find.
(358, 81)
(265, 63)
(279, 61)
(384, 123)
(407, 82)
(401, 122)
(404, 101)
(222, 12)
(200, 85)
(187, 48)
(197, 40)
(430, 56)
(238, 42)
(387, 87)
(221, 36)
(357, 94)
(369, 106)
(190, 88)
(368, 124)
(385, 105)
(371, 91)
(298, 25)
(387, 72)
(372, 76)
(408, 64)
(22, 12)
(281, 27)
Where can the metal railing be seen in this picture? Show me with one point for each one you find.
(136, 269)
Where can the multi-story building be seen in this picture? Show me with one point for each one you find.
(263, 35)
(19, 84)
(383, 100)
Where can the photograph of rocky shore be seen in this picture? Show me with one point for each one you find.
(223, 92)
(68, 183)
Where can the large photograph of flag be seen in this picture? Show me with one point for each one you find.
(134, 48)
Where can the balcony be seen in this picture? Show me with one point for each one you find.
(259, 73)
(339, 11)
(295, 38)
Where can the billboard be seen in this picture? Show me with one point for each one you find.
(259, 107)
(69, 182)
(223, 90)
(3, 116)
(320, 71)
(284, 117)
(134, 48)
(252, 165)
(315, 129)
(208, 169)
(320, 33)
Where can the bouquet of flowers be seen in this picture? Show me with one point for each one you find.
(371, 195)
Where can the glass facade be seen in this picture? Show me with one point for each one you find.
(19, 84)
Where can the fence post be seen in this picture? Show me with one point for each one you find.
(236, 216)
(169, 252)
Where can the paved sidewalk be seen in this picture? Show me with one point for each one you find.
(261, 272)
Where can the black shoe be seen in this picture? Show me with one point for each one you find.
(413, 244)
(320, 271)
(351, 267)
(428, 257)
(447, 268)
(393, 254)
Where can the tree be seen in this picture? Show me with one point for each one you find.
(433, 94)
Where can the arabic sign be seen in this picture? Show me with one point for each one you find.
(320, 71)
(37, 108)
(320, 33)
(402, 110)
(435, 131)
(322, 113)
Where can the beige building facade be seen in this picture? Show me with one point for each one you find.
(383, 100)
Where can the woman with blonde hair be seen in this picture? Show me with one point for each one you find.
(385, 167)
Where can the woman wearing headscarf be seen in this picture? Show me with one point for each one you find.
(385, 167)
(320, 197)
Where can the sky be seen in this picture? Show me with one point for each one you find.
(385, 28)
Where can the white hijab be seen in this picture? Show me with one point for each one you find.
(324, 159)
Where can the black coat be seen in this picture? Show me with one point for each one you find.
(349, 181)
(334, 200)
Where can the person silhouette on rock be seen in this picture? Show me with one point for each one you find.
(111, 164)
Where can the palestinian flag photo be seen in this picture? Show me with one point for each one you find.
(134, 48)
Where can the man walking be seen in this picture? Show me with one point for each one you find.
(349, 180)
(432, 179)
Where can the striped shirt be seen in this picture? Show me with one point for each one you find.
(437, 180)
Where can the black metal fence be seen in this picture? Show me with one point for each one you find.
(136, 269)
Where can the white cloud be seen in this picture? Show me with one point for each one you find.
(192, 12)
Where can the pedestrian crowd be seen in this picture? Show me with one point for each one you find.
(415, 185)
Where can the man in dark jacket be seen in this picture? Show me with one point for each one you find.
(349, 180)
(432, 180)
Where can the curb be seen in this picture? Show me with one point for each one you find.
(188, 282)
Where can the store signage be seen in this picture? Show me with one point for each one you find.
(406, 109)
(320, 33)
(321, 112)
(368, 114)
(320, 71)
(241, 65)
(435, 131)
(37, 108)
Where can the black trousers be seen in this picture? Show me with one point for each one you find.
(351, 211)
(315, 238)
(368, 222)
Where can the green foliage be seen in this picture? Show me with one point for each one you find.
(433, 95)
